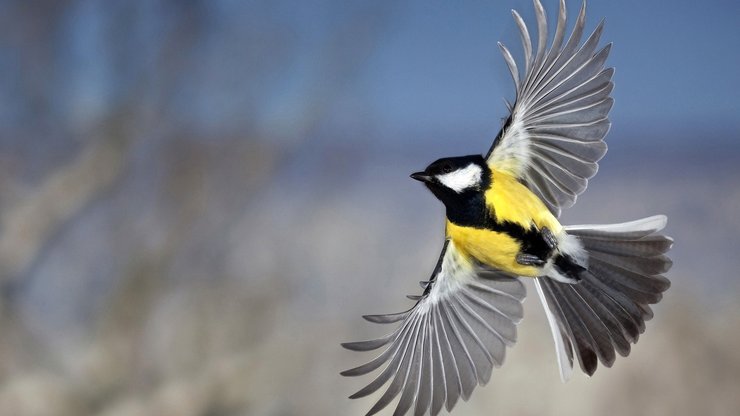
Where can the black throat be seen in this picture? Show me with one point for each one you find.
(469, 209)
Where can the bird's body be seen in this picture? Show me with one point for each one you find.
(496, 221)
(509, 222)
(596, 282)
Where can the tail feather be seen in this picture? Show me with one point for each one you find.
(650, 266)
(591, 326)
(649, 246)
(607, 318)
(606, 311)
(646, 289)
(624, 231)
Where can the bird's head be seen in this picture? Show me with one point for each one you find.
(455, 178)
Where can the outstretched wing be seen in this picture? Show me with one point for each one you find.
(553, 138)
(448, 342)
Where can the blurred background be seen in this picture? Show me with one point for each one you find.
(198, 199)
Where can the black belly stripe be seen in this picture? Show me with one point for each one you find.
(531, 239)
(473, 212)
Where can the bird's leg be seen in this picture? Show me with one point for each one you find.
(526, 259)
(549, 238)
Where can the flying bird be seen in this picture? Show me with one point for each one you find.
(596, 282)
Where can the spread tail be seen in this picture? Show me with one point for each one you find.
(606, 310)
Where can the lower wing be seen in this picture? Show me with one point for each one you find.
(448, 342)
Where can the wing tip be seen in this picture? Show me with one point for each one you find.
(355, 396)
(661, 221)
(538, 5)
(387, 318)
(566, 372)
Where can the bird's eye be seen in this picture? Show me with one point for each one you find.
(446, 168)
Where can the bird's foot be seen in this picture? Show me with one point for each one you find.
(550, 239)
(526, 259)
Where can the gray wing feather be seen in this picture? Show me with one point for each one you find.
(387, 318)
(465, 364)
(559, 33)
(553, 138)
(400, 373)
(477, 352)
(408, 388)
(425, 392)
(542, 31)
(593, 90)
(511, 63)
(500, 325)
(582, 65)
(565, 179)
(394, 359)
(489, 337)
(448, 343)
(526, 40)
(454, 386)
(440, 383)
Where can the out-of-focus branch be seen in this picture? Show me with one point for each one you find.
(28, 225)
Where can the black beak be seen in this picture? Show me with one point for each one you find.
(421, 177)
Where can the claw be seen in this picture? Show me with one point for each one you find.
(526, 259)
(549, 237)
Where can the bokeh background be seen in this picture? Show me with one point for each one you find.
(198, 199)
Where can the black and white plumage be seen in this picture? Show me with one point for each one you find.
(595, 282)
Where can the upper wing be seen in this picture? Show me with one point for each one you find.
(448, 342)
(554, 135)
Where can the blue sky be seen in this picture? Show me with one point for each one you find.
(437, 66)
(406, 67)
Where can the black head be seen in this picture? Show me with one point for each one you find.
(456, 177)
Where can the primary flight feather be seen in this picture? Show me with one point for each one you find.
(596, 282)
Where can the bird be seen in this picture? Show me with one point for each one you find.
(595, 282)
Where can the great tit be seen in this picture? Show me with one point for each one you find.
(596, 282)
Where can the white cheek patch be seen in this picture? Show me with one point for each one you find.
(462, 179)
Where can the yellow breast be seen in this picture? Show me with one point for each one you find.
(492, 248)
(513, 202)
